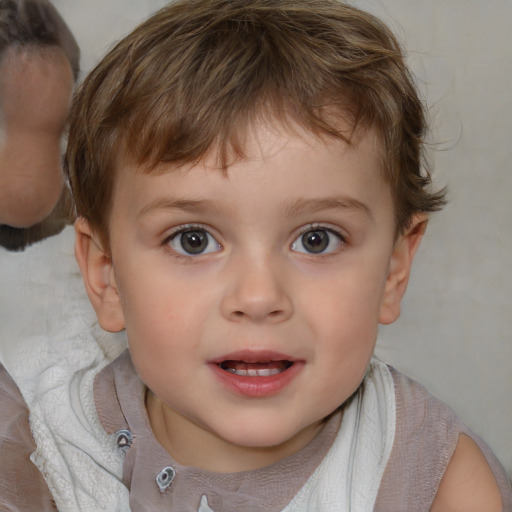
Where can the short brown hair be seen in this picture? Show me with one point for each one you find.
(196, 74)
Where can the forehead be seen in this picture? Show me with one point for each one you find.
(262, 137)
(297, 155)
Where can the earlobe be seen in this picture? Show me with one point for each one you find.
(98, 275)
(400, 269)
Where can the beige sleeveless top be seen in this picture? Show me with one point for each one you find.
(426, 435)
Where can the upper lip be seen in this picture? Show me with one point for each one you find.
(254, 356)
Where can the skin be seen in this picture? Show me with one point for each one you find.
(468, 482)
(35, 93)
(257, 287)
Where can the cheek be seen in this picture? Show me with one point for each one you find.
(158, 342)
(164, 316)
(154, 318)
(343, 319)
(348, 299)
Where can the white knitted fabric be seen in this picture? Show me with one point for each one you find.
(52, 346)
(349, 477)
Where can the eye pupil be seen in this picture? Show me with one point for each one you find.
(315, 241)
(194, 242)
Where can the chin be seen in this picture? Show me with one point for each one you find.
(268, 435)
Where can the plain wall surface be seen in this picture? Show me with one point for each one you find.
(454, 335)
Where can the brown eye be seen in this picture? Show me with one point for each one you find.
(318, 241)
(315, 241)
(193, 242)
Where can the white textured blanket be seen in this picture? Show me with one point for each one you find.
(348, 478)
(52, 346)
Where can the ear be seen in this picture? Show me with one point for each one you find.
(400, 269)
(98, 274)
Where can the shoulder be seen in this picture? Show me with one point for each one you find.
(423, 422)
(468, 483)
(22, 486)
(426, 434)
(431, 447)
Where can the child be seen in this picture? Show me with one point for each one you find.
(248, 184)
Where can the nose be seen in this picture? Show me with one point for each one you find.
(256, 291)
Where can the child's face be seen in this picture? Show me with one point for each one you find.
(251, 300)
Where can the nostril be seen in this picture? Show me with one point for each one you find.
(270, 314)
(257, 307)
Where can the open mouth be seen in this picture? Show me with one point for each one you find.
(256, 369)
(256, 373)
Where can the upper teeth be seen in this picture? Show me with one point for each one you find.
(265, 372)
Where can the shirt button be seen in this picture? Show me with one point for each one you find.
(165, 478)
(124, 439)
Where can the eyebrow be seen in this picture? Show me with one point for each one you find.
(327, 203)
(188, 205)
(300, 206)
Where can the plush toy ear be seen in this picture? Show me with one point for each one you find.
(98, 274)
(400, 269)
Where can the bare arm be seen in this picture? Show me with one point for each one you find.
(468, 484)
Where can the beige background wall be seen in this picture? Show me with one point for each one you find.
(455, 331)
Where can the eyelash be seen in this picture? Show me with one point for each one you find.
(300, 233)
(321, 227)
(178, 230)
(335, 231)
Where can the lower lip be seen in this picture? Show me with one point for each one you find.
(257, 387)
